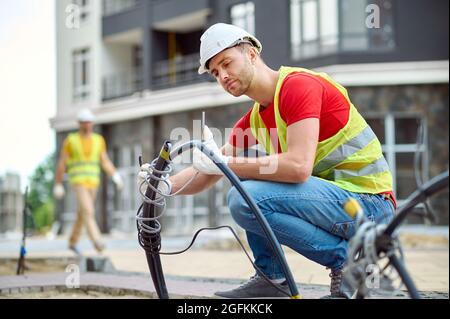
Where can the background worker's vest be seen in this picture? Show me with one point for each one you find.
(84, 169)
(351, 159)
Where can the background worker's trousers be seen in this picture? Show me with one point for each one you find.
(85, 198)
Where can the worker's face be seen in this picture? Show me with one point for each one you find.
(86, 127)
(233, 69)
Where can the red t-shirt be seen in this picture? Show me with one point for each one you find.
(302, 96)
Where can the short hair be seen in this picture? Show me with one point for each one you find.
(242, 45)
(245, 46)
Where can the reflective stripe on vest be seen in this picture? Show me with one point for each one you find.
(379, 166)
(345, 150)
(352, 158)
(82, 169)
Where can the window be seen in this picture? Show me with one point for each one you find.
(81, 75)
(357, 35)
(398, 135)
(354, 30)
(329, 26)
(320, 27)
(83, 6)
(243, 16)
(382, 38)
(314, 27)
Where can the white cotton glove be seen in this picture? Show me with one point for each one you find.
(117, 179)
(201, 162)
(163, 187)
(58, 191)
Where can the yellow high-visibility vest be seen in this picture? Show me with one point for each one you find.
(352, 159)
(84, 169)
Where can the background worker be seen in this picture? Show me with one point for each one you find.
(83, 153)
(320, 152)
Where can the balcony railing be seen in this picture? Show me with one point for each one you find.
(122, 84)
(111, 7)
(181, 70)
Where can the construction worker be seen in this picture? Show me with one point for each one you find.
(319, 153)
(83, 153)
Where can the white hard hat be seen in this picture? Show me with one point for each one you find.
(222, 36)
(85, 115)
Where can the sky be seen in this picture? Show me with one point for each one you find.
(27, 84)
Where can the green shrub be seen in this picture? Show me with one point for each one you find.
(44, 216)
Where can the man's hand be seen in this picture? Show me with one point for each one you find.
(163, 187)
(201, 162)
(117, 179)
(58, 191)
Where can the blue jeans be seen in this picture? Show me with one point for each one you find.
(307, 217)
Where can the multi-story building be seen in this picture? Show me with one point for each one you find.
(134, 62)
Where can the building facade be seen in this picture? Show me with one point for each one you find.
(134, 62)
(11, 204)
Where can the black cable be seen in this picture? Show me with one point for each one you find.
(267, 230)
(151, 243)
(149, 229)
(433, 186)
(259, 271)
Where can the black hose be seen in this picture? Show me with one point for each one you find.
(274, 244)
(151, 242)
(406, 279)
(428, 189)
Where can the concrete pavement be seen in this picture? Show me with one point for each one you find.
(427, 259)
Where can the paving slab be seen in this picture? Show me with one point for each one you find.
(140, 285)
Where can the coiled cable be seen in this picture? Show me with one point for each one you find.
(149, 228)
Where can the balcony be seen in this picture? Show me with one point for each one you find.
(181, 70)
(111, 7)
(121, 16)
(180, 16)
(122, 84)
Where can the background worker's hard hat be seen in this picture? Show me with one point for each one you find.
(219, 37)
(85, 115)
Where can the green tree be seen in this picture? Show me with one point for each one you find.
(41, 197)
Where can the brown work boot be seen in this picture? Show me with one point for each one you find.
(339, 288)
